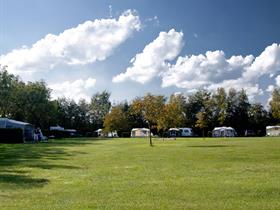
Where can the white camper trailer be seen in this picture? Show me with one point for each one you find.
(186, 131)
(273, 130)
(180, 132)
(223, 132)
(140, 132)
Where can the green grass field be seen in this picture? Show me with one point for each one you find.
(236, 173)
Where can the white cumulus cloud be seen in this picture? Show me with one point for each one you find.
(277, 80)
(86, 43)
(210, 70)
(214, 70)
(153, 59)
(76, 90)
(267, 63)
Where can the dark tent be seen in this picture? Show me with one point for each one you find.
(8, 125)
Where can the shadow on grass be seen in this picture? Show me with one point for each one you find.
(24, 181)
(16, 158)
(52, 166)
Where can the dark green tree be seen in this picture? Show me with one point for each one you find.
(99, 106)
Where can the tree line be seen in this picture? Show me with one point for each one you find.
(202, 110)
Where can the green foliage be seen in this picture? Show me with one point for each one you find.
(197, 102)
(220, 106)
(275, 104)
(116, 120)
(9, 85)
(32, 104)
(150, 107)
(99, 106)
(173, 113)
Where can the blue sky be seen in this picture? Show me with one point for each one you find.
(238, 36)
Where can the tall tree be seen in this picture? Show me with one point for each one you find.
(8, 88)
(99, 106)
(220, 106)
(173, 113)
(116, 120)
(275, 104)
(150, 108)
(197, 102)
(241, 114)
(258, 118)
(201, 121)
(32, 104)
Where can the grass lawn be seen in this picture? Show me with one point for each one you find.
(236, 173)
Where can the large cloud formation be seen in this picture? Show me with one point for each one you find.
(209, 71)
(86, 43)
(214, 70)
(154, 57)
(73, 89)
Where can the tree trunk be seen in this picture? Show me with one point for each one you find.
(203, 133)
(150, 136)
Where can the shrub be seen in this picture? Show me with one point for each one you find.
(125, 134)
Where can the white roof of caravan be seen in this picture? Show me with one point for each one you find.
(137, 129)
(223, 128)
(70, 130)
(271, 127)
(14, 121)
(174, 129)
(56, 128)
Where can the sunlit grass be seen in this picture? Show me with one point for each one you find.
(236, 173)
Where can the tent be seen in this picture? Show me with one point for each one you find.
(101, 133)
(140, 132)
(224, 132)
(27, 129)
(273, 130)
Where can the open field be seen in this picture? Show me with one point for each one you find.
(129, 174)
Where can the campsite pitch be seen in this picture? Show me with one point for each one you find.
(235, 173)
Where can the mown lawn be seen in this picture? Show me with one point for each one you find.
(237, 173)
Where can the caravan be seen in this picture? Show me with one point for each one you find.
(140, 132)
(180, 132)
(273, 130)
(224, 132)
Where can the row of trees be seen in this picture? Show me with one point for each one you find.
(202, 110)
(31, 102)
